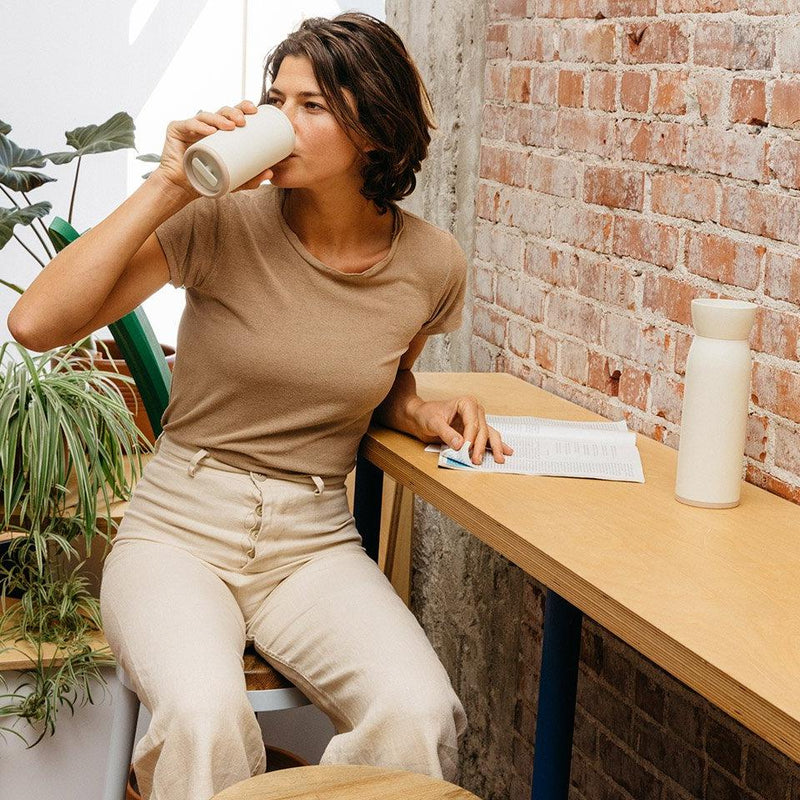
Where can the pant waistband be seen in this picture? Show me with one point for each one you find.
(194, 458)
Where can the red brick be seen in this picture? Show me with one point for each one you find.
(605, 281)
(495, 81)
(574, 317)
(603, 374)
(545, 350)
(497, 40)
(776, 390)
(531, 126)
(709, 89)
(644, 344)
(755, 445)
(787, 449)
(556, 176)
(633, 387)
(504, 166)
(782, 277)
(528, 41)
(570, 88)
(484, 283)
(494, 121)
(670, 97)
(654, 142)
(785, 112)
(584, 227)
(565, 9)
(544, 85)
(733, 45)
(723, 259)
(519, 85)
(519, 338)
(592, 41)
(551, 266)
(784, 160)
(635, 91)
(630, 8)
(776, 216)
(508, 8)
(519, 296)
(618, 188)
(698, 6)
(517, 210)
(574, 361)
(666, 397)
(684, 196)
(729, 153)
(643, 240)
(486, 200)
(585, 132)
(501, 246)
(655, 43)
(683, 342)
(760, 478)
(602, 90)
(776, 333)
(670, 297)
(787, 49)
(748, 101)
(489, 324)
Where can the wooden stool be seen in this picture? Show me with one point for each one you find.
(343, 782)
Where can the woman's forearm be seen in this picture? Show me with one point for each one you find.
(396, 410)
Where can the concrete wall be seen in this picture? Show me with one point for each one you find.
(630, 160)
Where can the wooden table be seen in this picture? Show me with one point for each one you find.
(710, 595)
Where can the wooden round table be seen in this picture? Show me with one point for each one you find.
(343, 782)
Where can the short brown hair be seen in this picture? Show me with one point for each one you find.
(358, 52)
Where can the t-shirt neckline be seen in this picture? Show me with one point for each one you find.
(293, 239)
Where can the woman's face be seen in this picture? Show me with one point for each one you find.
(322, 152)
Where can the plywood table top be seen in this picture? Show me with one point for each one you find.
(710, 595)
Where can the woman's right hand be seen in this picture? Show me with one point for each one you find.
(183, 133)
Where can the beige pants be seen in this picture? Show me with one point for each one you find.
(208, 557)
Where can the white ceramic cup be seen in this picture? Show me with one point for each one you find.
(225, 159)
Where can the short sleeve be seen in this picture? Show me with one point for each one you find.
(447, 312)
(189, 239)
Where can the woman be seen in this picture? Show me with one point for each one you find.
(307, 302)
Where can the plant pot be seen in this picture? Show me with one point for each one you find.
(133, 400)
(276, 759)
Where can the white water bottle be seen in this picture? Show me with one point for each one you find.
(715, 402)
(224, 160)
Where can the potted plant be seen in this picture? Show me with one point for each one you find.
(66, 437)
(20, 174)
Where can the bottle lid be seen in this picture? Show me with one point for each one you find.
(718, 318)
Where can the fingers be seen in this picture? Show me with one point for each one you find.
(255, 182)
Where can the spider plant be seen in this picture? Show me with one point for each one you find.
(65, 432)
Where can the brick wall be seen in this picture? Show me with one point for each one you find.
(636, 154)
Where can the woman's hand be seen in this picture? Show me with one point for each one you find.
(183, 133)
(454, 421)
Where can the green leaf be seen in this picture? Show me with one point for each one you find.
(9, 217)
(116, 133)
(151, 158)
(4, 127)
(13, 156)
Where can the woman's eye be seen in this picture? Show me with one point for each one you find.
(313, 105)
(271, 100)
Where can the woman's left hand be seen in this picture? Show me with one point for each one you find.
(454, 421)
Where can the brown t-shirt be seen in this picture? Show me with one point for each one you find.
(281, 359)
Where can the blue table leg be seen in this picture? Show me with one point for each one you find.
(558, 683)
(367, 499)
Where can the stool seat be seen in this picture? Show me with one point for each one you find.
(259, 674)
(343, 782)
